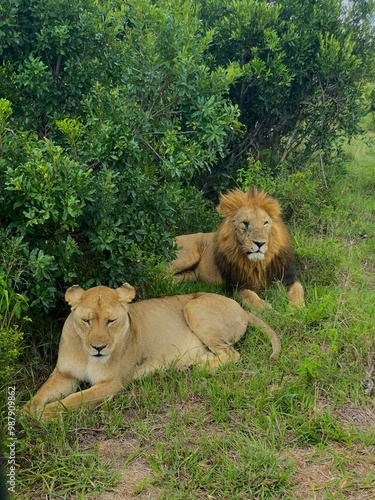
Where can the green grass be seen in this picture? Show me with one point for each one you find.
(249, 430)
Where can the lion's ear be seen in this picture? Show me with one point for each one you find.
(230, 202)
(73, 295)
(126, 293)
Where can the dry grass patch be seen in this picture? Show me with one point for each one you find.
(333, 472)
(362, 419)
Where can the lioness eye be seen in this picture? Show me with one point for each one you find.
(86, 321)
(110, 321)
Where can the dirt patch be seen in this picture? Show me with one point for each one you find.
(122, 454)
(362, 419)
(334, 472)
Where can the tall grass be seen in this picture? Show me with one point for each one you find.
(239, 433)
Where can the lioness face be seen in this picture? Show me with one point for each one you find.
(100, 317)
(252, 227)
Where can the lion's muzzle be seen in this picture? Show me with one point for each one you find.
(257, 251)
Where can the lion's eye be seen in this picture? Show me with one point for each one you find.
(110, 321)
(266, 224)
(86, 321)
(245, 224)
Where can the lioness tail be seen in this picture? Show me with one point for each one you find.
(271, 334)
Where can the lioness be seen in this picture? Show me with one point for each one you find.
(250, 249)
(108, 341)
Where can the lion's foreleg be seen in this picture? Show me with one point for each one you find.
(252, 299)
(185, 276)
(296, 295)
(57, 386)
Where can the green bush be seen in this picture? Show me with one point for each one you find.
(99, 193)
(70, 224)
(13, 307)
(302, 68)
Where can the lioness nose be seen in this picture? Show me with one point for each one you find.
(99, 347)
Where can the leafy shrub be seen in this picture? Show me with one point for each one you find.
(302, 67)
(103, 187)
(43, 196)
(13, 307)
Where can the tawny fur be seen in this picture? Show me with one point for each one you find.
(108, 341)
(250, 249)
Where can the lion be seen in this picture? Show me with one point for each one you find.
(250, 249)
(108, 340)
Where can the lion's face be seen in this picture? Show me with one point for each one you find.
(251, 225)
(252, 228)
(100, 317)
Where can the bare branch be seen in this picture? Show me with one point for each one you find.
(156, 154)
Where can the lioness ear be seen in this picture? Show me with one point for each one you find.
(126, 293)
(73, 295)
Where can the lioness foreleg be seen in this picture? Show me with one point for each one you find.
(94, 395)
(57, 386)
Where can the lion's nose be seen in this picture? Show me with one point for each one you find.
(259, 244)
(99, 347)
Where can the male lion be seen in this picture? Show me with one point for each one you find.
(107, 341)
(250, 249)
